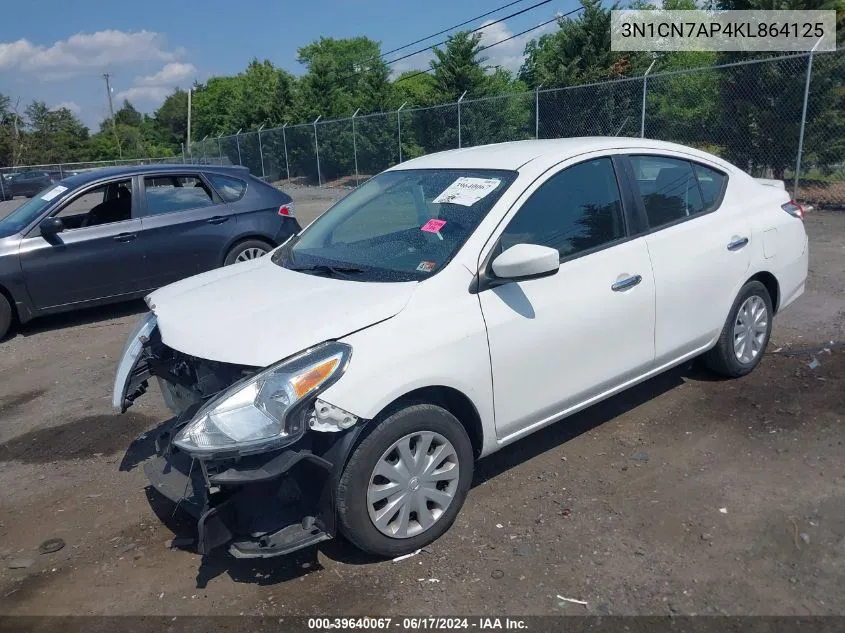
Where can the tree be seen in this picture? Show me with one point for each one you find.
(761, 104)
(171, 119)
(56, 136)
(127, 115)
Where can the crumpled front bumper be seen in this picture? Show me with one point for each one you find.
(261, 505)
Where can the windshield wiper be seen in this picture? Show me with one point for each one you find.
(331, 270)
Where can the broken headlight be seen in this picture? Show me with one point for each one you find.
(259, 413)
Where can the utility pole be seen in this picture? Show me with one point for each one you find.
(188, 143)
(111, 111)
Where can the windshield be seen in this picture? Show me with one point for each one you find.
(21, 217)
(399, 226)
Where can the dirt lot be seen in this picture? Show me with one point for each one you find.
(684, 495)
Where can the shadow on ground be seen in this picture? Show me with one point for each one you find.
(91, 317)
(81, 438)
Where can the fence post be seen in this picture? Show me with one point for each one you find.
(238, 143)
(399, 128)
(537, 111)
(317, 152)
(285, 143)
(220, 150)
(355, 145)
(2, 187)
(645, 84)
(205, 150)
(803, 120)
(459, 117)
(261, 152)
(61, 172)
(183, 151)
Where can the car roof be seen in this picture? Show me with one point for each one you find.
(85, 177)
(514, 155)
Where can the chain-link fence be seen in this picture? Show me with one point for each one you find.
(780, 117)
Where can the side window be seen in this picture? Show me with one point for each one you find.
(573, 211)
(668, 188)
(166, 194)
(230, 189)
(712, 184)
(105, 204)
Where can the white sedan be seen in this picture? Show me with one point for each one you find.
(446, 308)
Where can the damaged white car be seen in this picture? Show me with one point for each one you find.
(449, 306)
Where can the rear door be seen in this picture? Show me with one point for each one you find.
(698, 243)
(185, 224)
(87, 261)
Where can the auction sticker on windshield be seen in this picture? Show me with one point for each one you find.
(55, 191)
(467, 191)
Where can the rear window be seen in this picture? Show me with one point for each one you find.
(230, 189)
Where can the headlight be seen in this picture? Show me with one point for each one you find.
(260, 413)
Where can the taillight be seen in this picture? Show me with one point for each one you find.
(287, 211)
(794, 209)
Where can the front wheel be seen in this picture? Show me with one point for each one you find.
(406, 481)
(246, 251)
(745, 334)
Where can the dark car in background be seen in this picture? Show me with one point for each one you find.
(116, 234)
(28, 183)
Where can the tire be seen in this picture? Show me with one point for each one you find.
(354, 510)
(723, 359)
(5, 316)
(247, 250)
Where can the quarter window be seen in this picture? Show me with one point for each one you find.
(167, 194)
(711, 183)
(230, 189)
(576, 210)
(668, 187)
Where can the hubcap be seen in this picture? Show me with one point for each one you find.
(412, 484)
(750, 328)
(250, 253)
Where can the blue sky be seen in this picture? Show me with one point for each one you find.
(56, 51)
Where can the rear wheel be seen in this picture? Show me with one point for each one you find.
(246, 251)
(745, 334)
(406, 482)
(5, 316)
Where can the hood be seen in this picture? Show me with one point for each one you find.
(257, 313)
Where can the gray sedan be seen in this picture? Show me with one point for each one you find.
(116, 234)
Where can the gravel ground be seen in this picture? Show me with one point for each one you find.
(683, 495)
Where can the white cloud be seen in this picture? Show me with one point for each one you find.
(68, 105)
(171, 75)
(157, 86)
(508, 54)
(144, 93)
(85, 51)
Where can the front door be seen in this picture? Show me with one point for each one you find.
(98, 255)
(560, 341)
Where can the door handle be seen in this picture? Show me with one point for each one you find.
(125, 237)
(737, 243)
(219, 219)
(628, 282)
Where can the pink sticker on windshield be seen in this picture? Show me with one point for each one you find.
(433, 225)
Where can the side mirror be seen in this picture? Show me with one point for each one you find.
(51, 226)
(526, 261)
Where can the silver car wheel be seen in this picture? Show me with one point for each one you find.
(413, 484)
(750, 329)
(250, 253)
